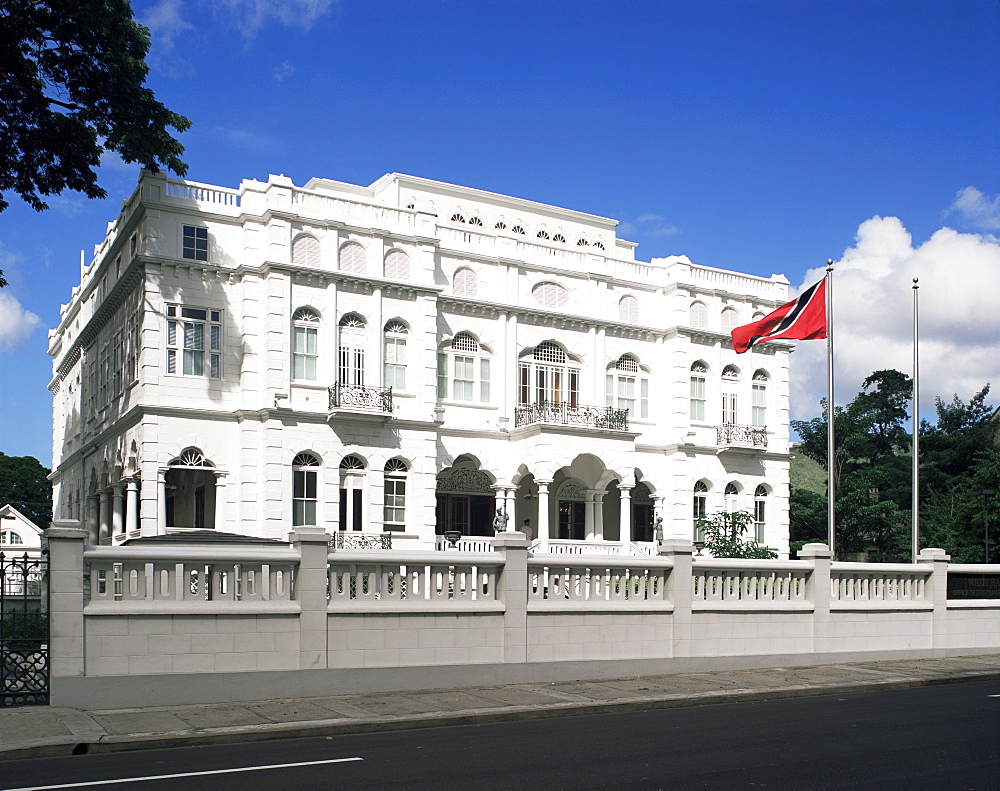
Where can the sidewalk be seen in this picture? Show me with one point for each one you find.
(40, 731)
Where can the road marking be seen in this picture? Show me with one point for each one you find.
(183, 774)
(993, 696)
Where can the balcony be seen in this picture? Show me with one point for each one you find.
(731, 436)
(358, 399)
(566, 415)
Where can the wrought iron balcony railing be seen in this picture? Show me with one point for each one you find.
(377, 399)
(733, 435)
(566, 415)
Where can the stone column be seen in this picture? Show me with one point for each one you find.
(93, 520)
(220, 500)
(512, 589)
(310, 584)
(131, 505)
(544, 530)
(936, 592)
(818, 592)
(679, 586)
(104, 518)
(65, 541)
(625, 517)
(588, 515)
(117, 509)
(161, 501)
(599, 515)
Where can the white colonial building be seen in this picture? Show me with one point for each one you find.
(407, 357)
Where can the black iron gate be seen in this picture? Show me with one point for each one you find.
(24, 630)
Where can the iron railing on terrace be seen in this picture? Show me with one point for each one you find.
(566, 415)
(746, 436)
(378, 399)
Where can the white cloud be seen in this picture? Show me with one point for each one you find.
(250, 15)
(976, 209)
(165, 22)
(648, 225)
(16, 323)
(959, 279)
(283, 72)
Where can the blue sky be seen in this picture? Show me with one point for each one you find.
(757, 135)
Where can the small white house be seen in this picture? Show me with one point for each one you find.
(21, 547)
(409, 357)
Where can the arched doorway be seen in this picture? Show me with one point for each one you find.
(572, 511)
(465, 502)
(190, 491)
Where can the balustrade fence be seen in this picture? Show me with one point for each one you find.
(169, 610)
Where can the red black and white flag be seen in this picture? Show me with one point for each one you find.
(802, 319)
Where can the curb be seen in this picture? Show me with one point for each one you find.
(277, 731)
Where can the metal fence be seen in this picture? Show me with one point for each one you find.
(24, 630)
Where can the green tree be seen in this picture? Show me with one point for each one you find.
(724, 533)
(72, 85)
(24, 484)
(807, 518)
(870, 476)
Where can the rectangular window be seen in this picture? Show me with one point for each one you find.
(644, 398)
(524, 385)
(304, 353)
(484, 380)
(395, 363)
(759, 514)
(700, 503)
(394, 503)
(442, 375)
(698, 398)
(195, 243)
(194, 336)
(759, 405)
(729, 413)
(304, 498)
(463, 383)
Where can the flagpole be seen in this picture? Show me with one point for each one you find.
(830, 456)
(916, 426)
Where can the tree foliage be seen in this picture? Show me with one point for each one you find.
(24, 484)
(873, 473)
(72, 85)
(724, 533)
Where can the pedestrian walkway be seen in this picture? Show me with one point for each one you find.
(33, 732)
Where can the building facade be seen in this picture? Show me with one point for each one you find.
(410, 357)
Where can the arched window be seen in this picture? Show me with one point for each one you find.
(475, 221)
(558, 238)
(501, 225)
(465, 282)
(10, 538)
(732, 497)
(352, 479)
(305, 472)
(351, 350)
(397, 265)
(305, 250)
(699, 315)
(582, 243)
(627, 388)
(757, 316)
(305, 344)
(543, 234)
(517, 229)
(551, 295)
(353, 258)
(394, 374)
(699, 372)
(730, 319)
(758, 398)
(700, 509)
(464, 370)
(759, 512)
(549, 378)
(599, 245)
(394, 497)
(730, 399)
(457, 217)
(628, 309)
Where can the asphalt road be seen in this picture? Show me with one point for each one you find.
(945, 738)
